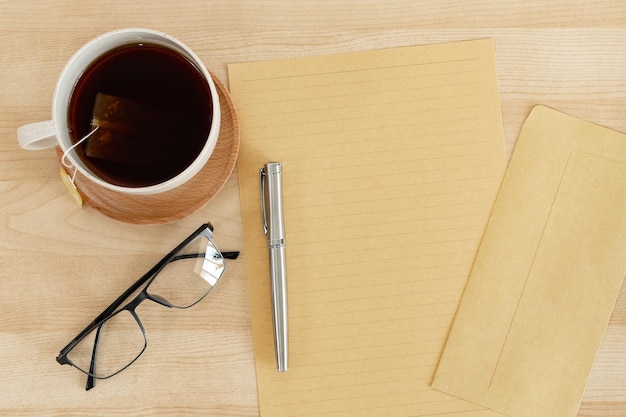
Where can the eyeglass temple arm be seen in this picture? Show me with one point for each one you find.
(225, 255)
(91, 381)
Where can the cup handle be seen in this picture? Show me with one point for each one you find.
(35, 136)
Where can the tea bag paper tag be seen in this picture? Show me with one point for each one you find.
(71, 187)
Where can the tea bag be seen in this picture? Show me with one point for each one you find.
(128, 132)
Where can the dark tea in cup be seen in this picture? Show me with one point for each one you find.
(143, 112)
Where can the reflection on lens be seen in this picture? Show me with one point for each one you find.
(190, 275)
(120, 340)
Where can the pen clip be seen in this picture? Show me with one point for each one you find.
(262, 176)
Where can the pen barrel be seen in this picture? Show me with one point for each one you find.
(279, 305)
(272, 209)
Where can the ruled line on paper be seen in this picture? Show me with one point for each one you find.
(382, 106)
(274, 78)
(379, 104)
(383, 79)
(363, 86)
(348, 149)
(321, 128)
(399, 89)
(259, 136)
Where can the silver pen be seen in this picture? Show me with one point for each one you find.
(274, 228)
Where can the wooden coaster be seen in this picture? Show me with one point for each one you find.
(180, 202)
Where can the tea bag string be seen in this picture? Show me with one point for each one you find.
(64, 159)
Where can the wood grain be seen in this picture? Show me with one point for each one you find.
(60, 265)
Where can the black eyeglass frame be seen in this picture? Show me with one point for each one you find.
(204, 230)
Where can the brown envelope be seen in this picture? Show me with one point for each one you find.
(547, 274)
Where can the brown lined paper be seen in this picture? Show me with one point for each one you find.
(391, 164)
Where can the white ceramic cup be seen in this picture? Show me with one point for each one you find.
(54, 132)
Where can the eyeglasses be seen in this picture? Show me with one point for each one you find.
(116, 338)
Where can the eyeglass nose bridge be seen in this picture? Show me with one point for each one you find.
(140, 298)
(159, 300)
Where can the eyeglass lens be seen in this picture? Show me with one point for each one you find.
(190, 275)
(185, 280)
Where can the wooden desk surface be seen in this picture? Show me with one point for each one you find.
(60, 265)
